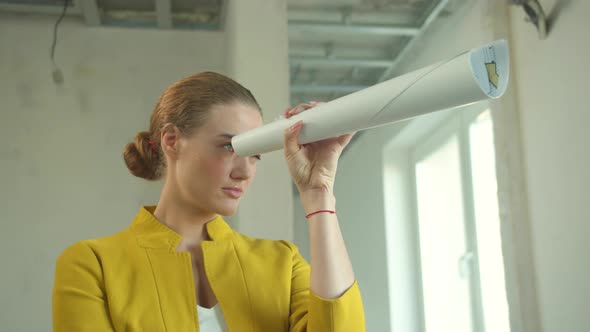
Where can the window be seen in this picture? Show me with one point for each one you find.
(487, 224)
(456, 239)
(444, 252)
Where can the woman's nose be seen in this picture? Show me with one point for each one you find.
(244, 168)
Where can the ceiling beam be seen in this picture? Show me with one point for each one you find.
(38, 9)
(223, 14)
(164, 13)
(315, 28)
(335, 62)
(434, 13)
(90, 12)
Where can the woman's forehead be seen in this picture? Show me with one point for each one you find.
(232, 119)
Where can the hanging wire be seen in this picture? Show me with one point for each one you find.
(57, 74)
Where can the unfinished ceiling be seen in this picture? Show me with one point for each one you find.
(336, 47)
(339, 47)
(165, 14)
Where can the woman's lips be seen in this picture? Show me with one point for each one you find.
(233, 192)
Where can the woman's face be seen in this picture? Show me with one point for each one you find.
(208, 173)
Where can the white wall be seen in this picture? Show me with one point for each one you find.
(267, 210)
(63, 178)
(551, 78)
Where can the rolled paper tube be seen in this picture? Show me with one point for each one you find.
(472, 76)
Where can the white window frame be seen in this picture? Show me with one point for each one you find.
(418, 138)
(457, 123)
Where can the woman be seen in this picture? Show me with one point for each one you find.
(179, 266)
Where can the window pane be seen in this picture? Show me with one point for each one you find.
(442, 240)
(491, 265)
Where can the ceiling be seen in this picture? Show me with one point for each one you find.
(336, 47)
(339, 47)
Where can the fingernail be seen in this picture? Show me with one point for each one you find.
(296, 125)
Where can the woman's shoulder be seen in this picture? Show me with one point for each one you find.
(94, 248)
(262, 244)
(284, 255)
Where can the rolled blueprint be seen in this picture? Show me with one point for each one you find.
(472, 76)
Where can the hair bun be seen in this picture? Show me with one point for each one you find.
(141, 160)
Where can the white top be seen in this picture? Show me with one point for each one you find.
(211, 319)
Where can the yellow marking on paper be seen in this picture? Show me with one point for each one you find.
(493, 76)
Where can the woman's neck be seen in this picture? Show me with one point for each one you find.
(183, 218)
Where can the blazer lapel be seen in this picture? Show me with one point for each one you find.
(172, 273)
(175, 285)
(226, 277)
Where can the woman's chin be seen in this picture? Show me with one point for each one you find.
(228, 210)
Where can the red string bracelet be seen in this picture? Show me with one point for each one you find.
(320, 211)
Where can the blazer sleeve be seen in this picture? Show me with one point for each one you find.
(312, 313)
(79, 301)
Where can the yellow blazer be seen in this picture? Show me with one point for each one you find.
(135, 280)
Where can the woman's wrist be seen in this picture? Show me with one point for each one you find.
(314, 200)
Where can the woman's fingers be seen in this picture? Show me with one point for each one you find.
(291, 139)
(297, 109)
(345, 139)
(300, 108)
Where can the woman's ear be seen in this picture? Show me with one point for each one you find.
(170, 141)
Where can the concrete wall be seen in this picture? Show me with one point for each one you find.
(63, 178)
(551, 78)
(267, 210)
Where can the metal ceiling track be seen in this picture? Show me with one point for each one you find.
(388, 65)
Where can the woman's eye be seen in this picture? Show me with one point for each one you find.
(229, 147)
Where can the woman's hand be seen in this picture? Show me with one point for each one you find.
(313, 165)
